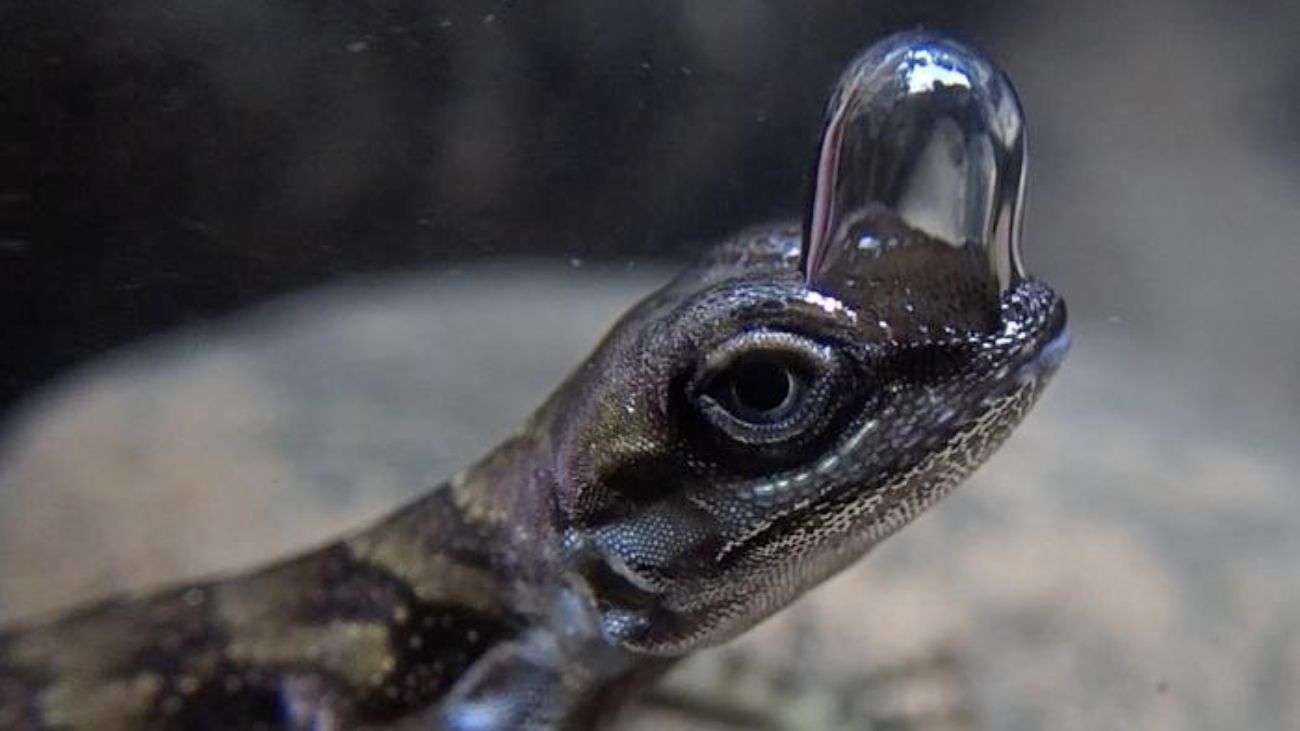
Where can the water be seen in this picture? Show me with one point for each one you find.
(1127, 561)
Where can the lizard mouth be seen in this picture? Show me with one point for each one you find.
(1052, 352)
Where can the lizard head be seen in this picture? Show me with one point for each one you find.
(801, 394)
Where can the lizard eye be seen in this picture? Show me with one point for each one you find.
(769, 389)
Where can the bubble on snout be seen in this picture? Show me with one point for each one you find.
(918, 187)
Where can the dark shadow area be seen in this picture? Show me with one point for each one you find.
(163, 163)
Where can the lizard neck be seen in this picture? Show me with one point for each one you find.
(489, 542)
(457, 603)
(486, 539)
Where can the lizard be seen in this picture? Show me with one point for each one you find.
(739, 436)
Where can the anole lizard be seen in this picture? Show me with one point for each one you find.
(737, 437)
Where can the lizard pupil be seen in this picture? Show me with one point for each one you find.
(762, 387)
(767, 392)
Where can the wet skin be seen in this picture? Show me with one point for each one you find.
(789, 401)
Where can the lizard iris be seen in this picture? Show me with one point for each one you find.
(739, 436)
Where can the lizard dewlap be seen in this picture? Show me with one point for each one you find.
(739, 436)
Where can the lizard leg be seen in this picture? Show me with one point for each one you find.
(530, 684)
(516, 686)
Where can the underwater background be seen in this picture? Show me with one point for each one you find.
(268, 270)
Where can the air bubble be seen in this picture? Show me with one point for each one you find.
(919, 182)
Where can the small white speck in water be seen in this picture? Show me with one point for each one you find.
(358, 46)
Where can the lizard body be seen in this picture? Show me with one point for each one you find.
(737, 437)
